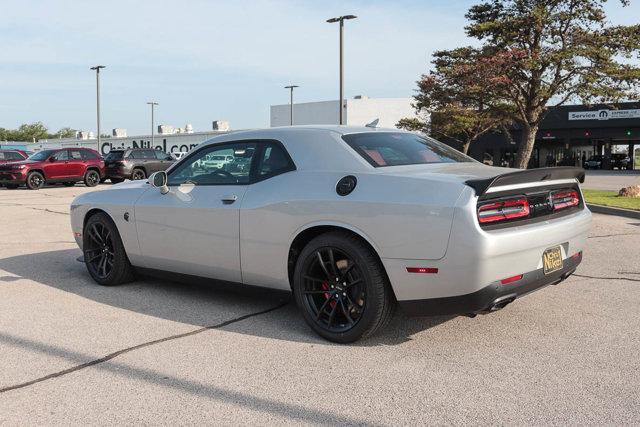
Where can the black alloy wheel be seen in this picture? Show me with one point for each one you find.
(35, 180)
(341, 288)
(91, 178)
(138, 174)
(104, 253)
(334, 289)
(100, 253)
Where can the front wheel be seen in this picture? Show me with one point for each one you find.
(35, 181)
(104, 254)
(341, 288)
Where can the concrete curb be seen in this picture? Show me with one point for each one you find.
(608, 210)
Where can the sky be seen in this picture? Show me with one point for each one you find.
(212, 60)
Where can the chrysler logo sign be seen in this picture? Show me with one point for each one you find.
(604, 114)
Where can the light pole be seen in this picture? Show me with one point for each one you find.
(290, 87)
(153, 104)
(341, 20)
(97, 68)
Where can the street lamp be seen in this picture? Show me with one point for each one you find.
(97, 68)
(341, 20)
(290, 87)
(153, 104)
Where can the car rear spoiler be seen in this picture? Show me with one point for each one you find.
(526, 176)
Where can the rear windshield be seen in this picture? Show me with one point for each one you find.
(114, 155)
(396, 149)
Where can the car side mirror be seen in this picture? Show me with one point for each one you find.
(159, 180)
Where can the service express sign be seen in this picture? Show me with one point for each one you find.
(604, 114)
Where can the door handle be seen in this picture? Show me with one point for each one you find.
(228, 199)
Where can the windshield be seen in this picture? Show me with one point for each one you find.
(41, 155)
(396, 149)
(114, 155)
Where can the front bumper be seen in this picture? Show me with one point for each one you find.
(492, 297)
(13, 177)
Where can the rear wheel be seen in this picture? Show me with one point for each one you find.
(104, 254)
(138, 174)
(35, 181)
(341, 288)
(116, 180)
(91, 178)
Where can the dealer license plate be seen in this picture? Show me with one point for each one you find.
(552, 260)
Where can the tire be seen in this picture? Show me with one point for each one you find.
(91, 178)
(116, 180)
(35, 181)
(360, 303)
(138, 174)
(68, 184)
(104, 254)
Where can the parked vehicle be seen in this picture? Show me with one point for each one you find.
(11, 156)
(135, 163)
(65, 165)
(594, 162)
(620, 161)
(353, 221)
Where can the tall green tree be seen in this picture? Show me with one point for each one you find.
(534, 54)
(451, 99)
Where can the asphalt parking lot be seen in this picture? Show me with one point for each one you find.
(157, 352)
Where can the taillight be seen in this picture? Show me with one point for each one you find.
(564, 199)
(503, 210)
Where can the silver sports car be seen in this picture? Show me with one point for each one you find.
(353, 221)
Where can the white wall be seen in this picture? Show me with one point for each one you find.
(357, 112)
(307, 113)
(388, 110)
(169, 143)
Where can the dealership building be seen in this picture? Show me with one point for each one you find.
(570, 134)
(358, 111)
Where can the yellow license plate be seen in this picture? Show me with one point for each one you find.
(552, 260)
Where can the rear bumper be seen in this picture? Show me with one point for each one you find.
(117, 173)
(491, 297)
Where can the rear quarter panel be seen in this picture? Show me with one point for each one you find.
(401, 217)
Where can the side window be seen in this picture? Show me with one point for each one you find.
(216, 165)
(17, 156)
(61, 155)
(161, 155)
(274, 161)
(148, 154)
(75, 155)
(88, 155)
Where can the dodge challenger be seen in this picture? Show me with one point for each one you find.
(353, 221)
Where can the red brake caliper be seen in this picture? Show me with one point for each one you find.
(327, 295)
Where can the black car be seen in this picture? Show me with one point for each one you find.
(135, 163)
(620, 161)
(594, 162)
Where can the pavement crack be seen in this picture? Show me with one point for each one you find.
(613, 235)
(606, 278)
(139, 346)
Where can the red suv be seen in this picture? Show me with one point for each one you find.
(10, 156)
(66, 166)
